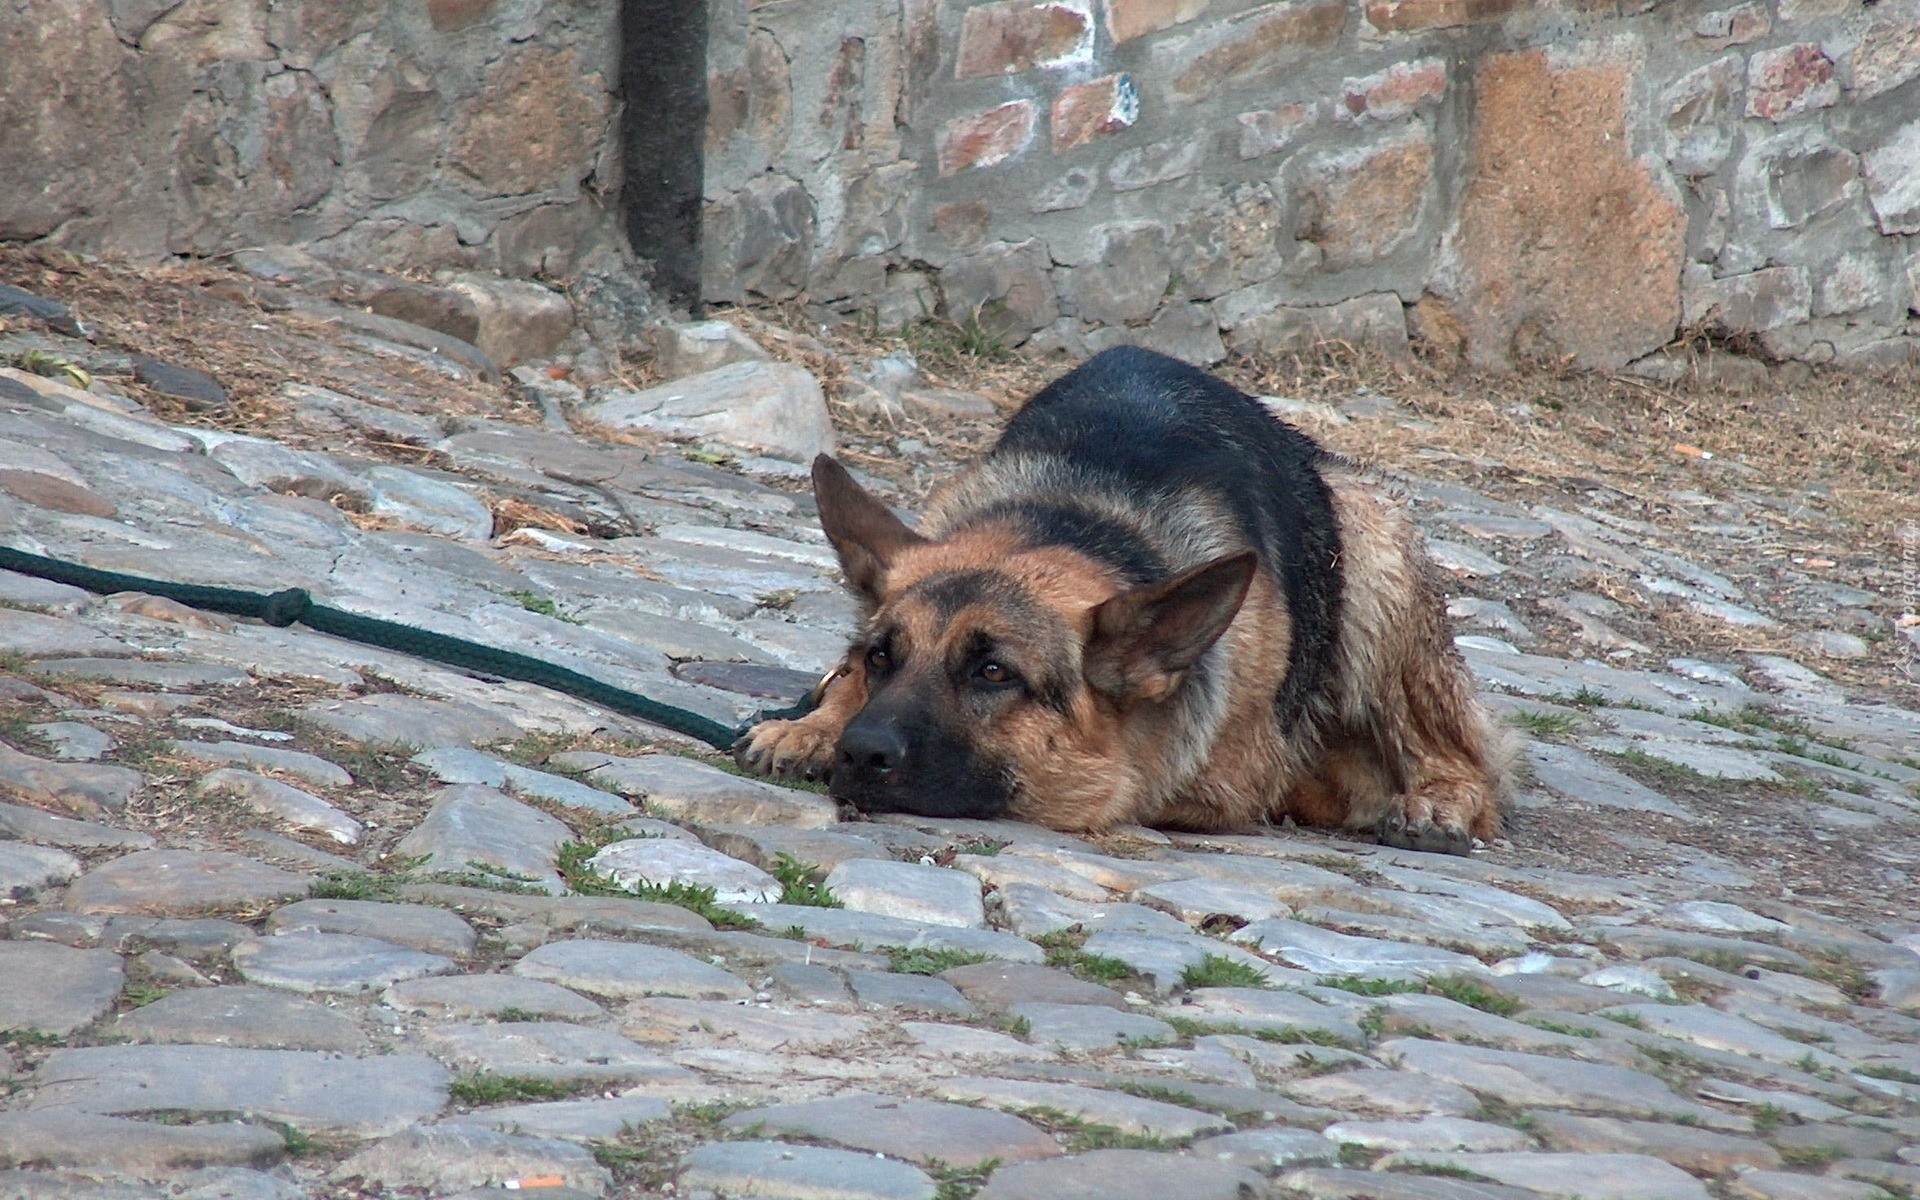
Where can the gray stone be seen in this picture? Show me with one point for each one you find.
(845, 928)
(27, 870)
(457, 765)
(1638, 980)
(1714, 762)
(489, 996)
(393, 719)
(1324, 1183)
(73, 742)
(242, 1016)
(663, 861)
(434, 930)
(625, 970)
(668, 1022)
(1194, 900)
(1578, 776)
(1572, 1176)
(150, 672)
(98, 1144)
(1717, 1030)
(1165, 960)
(682, 788)
(966, 1041)
(763, 845)
(1891, 171)
(574, 1120)
(1088, 1027)
(1002, 985)
(315, 1093)
(1701, 1151)
(1537, 1080)
(1428, 1133)
(308, 961)
(36, 635)
(552, 1050)
(700, 346)
(1007, 289)
(470, 825)
(83, 789)
(1715, 917)
(1328, 953)
(1899, 988)
(45, 988)
(1782, 1185)
(1124, 1175)
(310, 767)
(920, 1130)
(1267, 1150)
(909, 891)
(768, 407)
(1393, 1092)
(882, 989)
(778, 1171)
(49, 829)
(288, 804)
(447, 1157)
(427, 504)
(1129, 1114)
(183, 883)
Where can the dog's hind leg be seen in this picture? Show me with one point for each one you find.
(1455, 761)
(804, 748)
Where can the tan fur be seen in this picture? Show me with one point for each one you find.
(1401, 745)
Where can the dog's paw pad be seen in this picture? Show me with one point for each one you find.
(1424, 836)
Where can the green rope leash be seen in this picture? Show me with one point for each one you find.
(294, 604)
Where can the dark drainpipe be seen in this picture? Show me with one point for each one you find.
(663, 80)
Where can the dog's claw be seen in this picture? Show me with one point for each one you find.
(1424, 836)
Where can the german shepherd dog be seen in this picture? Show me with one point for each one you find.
(1152, 602)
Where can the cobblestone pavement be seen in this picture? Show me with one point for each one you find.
(293, 918)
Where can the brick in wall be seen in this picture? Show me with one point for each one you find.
(1018, 35)
(1090, 110)
(985, 140)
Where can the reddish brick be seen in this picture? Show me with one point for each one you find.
(1016, 35)
(1129, 19)
(1789, 80)
(1086, 111)
(1256, 41)
(992, 137)
(1406, 16)
(1393, 93)
(1272, 129)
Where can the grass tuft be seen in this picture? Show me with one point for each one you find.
(800, 883)
(928, 961)
(582, 880)
(1217, 970)
(483, 1088)
(1474, 994)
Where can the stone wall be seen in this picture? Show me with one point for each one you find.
(1580, 178)
(416, 133)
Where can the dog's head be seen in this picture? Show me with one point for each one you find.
(1002, 678)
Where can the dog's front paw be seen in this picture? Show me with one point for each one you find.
(1423, 834)
(787, 750)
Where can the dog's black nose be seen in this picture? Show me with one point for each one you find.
(871, 749)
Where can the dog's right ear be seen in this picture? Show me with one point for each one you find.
(864, 532)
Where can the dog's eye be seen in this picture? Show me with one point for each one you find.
(993, 672)
(878, 659)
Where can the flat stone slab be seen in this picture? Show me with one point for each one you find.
(308, 961)
(26, 870)
(662, 861)
(442, 1159)
(967, 1041)
(909, 891)
(1127, 1113)
(1716, 1030)
(1579, 776)
(49, 829)
(1089, 1026)
(887, 989)
(1000, 985)
(1428, 1133)
(433, 930)
(1714, 762)
(1701, 1151)
(1534, 1080)
(1123, 1175)
(48, 988)
(98, 1144)
(461, 996)
(145, 671)
(1572, 1176)
(248, 1017)
(184, 883)
(1325, 952)
(392, 719)
(285, 803)
(1400, 1093)
(1267, 1150)
(842, 927)
(453, 764)
(776, 1170)
(628, 970)
(36, 635)
(574, 1120)
(313, 1092)
(672, 1023)
(1259, 1009)
(553, 1050)
(684, 789)
(310, 767)
(82, 789)
(73, 741)
(920, 1130)
(471, 824)
(1195, 900)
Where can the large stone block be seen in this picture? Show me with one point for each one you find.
(1699, 106)
(986, 140)
(1359, 206)
(1377, 321)
(538, 125)
(1087, 111)
(1794, 177)
(1239, 240)
(757, 242)
(1249, 46)
(1129, 19)
(515, 320)
(1128, 277)
(1004, 287)
(1887, 56)
(1564, 240)
(1893, 181)
(1011, 36)
(1752, 302)
(767, 407)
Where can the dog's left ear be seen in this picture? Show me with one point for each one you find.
(864, 532)
(1144, 639)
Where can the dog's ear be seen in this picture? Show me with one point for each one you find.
(1142, 640)
(864, 532)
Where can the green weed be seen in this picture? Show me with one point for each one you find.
(1217, 970)
(800, 883)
